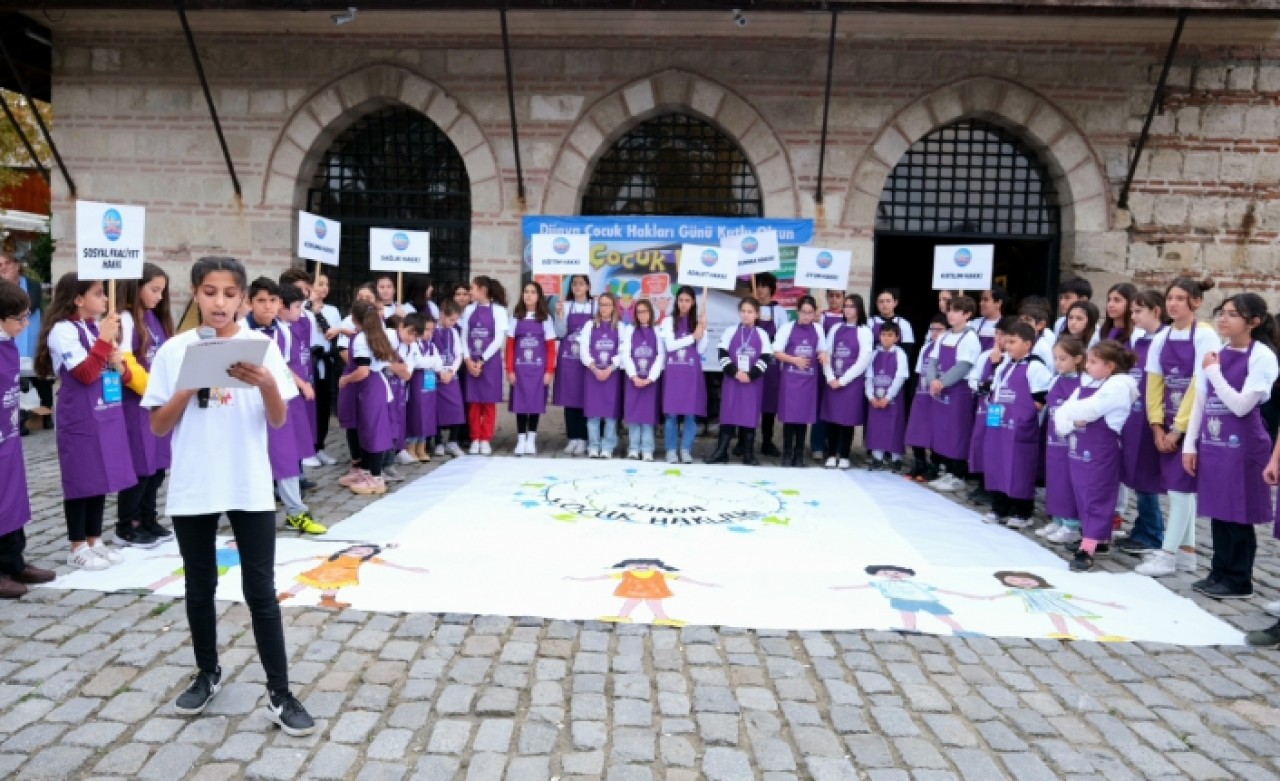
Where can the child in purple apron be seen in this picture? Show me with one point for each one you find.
(799, 347)
(409, 336)
(684, 394)
(833, 316)
(399, 381)
(15, 503)
(772, 316)
(844, 397)
(1271, 635)
(571, 375)
(886, 413)
(951, 417)
(145, 324)
(1059, 497)
(1091, 420)
(887, 312)
(1232, 441)
(348, 408)
(1118, 324)
(744, 357)
(301, 416)
(643, 359)
(424, 385)
(991, 310)
(371, 354)
(531, 365)
(484, 329)
(1011, 444)
(920, 413)
(451, 410)
(93, 442)
(1141, 458)
(980, 379)
(600, 350)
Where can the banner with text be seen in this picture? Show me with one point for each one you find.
(561, 254)
(399, 251)
(110, 240)
(319, 239)
(962, 267)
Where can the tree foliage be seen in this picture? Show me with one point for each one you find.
(13, 153)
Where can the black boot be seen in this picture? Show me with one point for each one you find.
(787, 455)
(767, 448)
(721, 456)
(797, 459)
(738, 448)
(748, 439)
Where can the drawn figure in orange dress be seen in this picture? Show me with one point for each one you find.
(339, 571)
(644, 580)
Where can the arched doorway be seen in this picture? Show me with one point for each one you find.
(968, 182)
(395, 168)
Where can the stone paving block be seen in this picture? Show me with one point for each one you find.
(173, 760)
(55, 763)
(333, 760)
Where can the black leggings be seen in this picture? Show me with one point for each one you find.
(575, 423)
(958, 467)
(1007, 507)
(138, 504)
(793, 436)
(527, 423)
(1235, 545)
(840, 440)
(370, 462)
(84, 517)
(324, 404)
(255, 535)
(767, 419)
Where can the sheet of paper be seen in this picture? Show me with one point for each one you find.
(206, 362)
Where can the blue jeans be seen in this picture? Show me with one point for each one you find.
(818, 437)
(610, 439)
(685, 437)
(1148, 528)
(641, 437)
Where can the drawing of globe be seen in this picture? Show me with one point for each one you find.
(750, 245)
(653, 500)
(963, 257)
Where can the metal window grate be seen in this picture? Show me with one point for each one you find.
(394, 168)
(970, 177)
(674, 165)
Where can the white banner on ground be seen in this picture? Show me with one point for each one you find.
(110, 240)
(319, 239)
(397, 250)
(963, 266)
(561, 254)
(757, 252)
(713, 267)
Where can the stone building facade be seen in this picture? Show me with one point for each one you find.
(133, 127)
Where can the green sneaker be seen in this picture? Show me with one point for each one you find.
(304, 523)
(1264, 638)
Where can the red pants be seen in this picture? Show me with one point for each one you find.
(483, 419)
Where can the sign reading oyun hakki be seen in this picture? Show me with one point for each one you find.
(965, 267)
(109, 240)
(318, 238)
(714, 267)
(825, 269)
(399, 251)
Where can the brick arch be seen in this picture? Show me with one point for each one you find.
(331, 109)
(672, 90)
(1076, 168)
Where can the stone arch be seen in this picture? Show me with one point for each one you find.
(624, 108)
(1076, 168)
(331, 109)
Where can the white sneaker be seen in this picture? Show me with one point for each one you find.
(486, 449)
(1272, 607)
(831, 462)
(947, 483)
(439, 451)
(686, 457)
(1186, 561)
(404, 459)
(595, 453)
(1064, 536)
(519, 448)
(311, 462)
(475, 447)
(673, 457)
(84, 558)
(606, 454)
(634, 455)
(571, 447)
(580, 449)
(390, 475)
(992, 517)
(454, 449)
(106, 553)
(1048, 528)
(1017, 523)
(844, 463)
(646, 457)
(1158, 564)
(326, 459)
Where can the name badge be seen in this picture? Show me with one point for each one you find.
(112, 390)
(428, 381)
(995, 415)
(744, 363)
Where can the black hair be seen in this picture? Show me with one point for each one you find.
(1033, 308)
(767, 280)
(893, 291)
(1041, 582)
(294, 275)
(691, 319)
(1251, 306)
(62, 307)
(291, 294)
(1004, 324)
(1091, 320)
(876, 569)
(806, 300)
(1022, 331)
(856, 298)
(644, 563)
(264, 285)
(1128, 291)
(211, 263)
(891, 327)
(1000, 296)
(394, 322)
(1079, 286)
(415, 322)
(1153, 300)
(375, 548)
(1113, 352)
(964, 304)
(14, 301)
(939, 318)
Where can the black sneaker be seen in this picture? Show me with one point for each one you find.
(1082, 562)
(917, 472)
(1102, 548)
(1133, 547)
(874, 465)
(1204, 583)
(770, 449)
(895, 466)
(132, 536)
(285, 710)
(1223, 591)
(979, 495)
(204, 686)
(1264, 638)
(154, 528)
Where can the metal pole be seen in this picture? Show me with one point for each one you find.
(1156, 100)
(44, 129)
(826, 105)
(511, 106)
(22, 135)
(208, 96)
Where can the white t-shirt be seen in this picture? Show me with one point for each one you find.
(968, 348)
(1112, 402)
(389, 310)
(908, 335)
(548, 326)
(571, 307)
(1039, 377)
(360, 349)
(220, 459)
(501, 323)
(64, 344)
(984, 327)
(347, 324)
(1044, 348)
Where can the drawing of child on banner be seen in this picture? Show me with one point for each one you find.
(911, 598)
(1038, 596)
(227, 557)
(339, 571)
(644, 580)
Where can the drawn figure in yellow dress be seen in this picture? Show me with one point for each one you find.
(644, 580)
(339, 571)
(1038, 596)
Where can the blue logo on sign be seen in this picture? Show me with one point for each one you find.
(322, 229)
(963, 257)
(560, 245)
(112, 225)
(710, 257)
(750, 245)
(400, 241)
(824, 259)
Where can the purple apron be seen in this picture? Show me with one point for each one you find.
(450, 409)
(398, 412)
(1115, 333)
(348, 398)
(1011, 450)
(603, 399)
(374, 428)
(15, 504)
(1178, 362)
(421, 412)
(570, 373)
(1094, 462)
(282, 443)
(487, 388)
(845, 406)
(740, 402)
(951, 417)
(684, 388)
(987, 342)
(885, 426)
(798, 391)
(773, 374)
(977, 459)
(93, 441)
(150, 453)
(830, 320)
(921, 417)
(529, 394)
(1059, 497)
(1234, 451)
(640, 405)
(301, 330)
(1141, 459)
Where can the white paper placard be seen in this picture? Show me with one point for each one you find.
(397, 250)
(703, 266)
(825, 269)
(962, 266)
(319, 239)
(205, 363)
(561, 253)
(110, 240)
(757, 252)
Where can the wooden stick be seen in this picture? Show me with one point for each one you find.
(111, 296)
(400, 286)
(317, 279)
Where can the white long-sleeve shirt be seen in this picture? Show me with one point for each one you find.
(584, 346)
(1112, 403)
(629, 366)
(667, 332)
(501, 324)
(899, 377)
(1262, 372)
(865, 353)
(587, 307)
(908, 334)
(766, 348)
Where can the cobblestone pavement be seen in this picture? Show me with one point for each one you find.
(87, 681)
